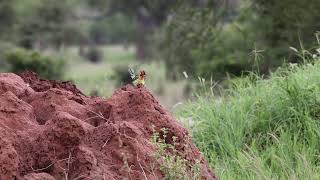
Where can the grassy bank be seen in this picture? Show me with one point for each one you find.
(262, 129)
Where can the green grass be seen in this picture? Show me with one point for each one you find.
(261, 129)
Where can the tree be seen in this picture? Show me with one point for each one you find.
(285, 23)
(48, 25)
(147, 14)
(114, 29)
(7, 18)
(210, 43)
(203, 40)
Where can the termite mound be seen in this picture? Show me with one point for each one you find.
(51, 130)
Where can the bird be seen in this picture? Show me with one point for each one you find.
(138, 80)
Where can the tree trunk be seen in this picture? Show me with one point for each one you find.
(81, 50)
(141, 42)
(143, 29)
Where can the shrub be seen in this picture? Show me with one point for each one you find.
(94, 55)
(121, 75)
(196, 41)
(4, 47)
(47, 67)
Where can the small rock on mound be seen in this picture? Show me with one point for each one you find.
(50, 130)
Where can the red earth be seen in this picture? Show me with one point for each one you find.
(51, 130)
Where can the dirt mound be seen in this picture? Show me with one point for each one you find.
(40, 85)
(50, 130)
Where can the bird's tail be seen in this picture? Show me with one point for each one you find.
(132, 74)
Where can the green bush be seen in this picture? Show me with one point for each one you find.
(121, 75)
(196, 41)
(4, 47)
(47, 67)
(94, 55)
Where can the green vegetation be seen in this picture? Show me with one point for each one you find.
(114, 29)
(47, 67)
(7, 18)
(94, 55)
(171, 163)
(262, 128)
(203, 38)
(217, 40)
(279, 24)
(45, 26)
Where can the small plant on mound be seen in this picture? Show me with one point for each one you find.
(47, 67)
(172, 165)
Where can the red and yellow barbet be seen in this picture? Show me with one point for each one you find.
(138, 80)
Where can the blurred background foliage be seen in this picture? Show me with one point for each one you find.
(47, 67)
(99, 39)
(213, 41)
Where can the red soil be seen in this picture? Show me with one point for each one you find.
(50, 130)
